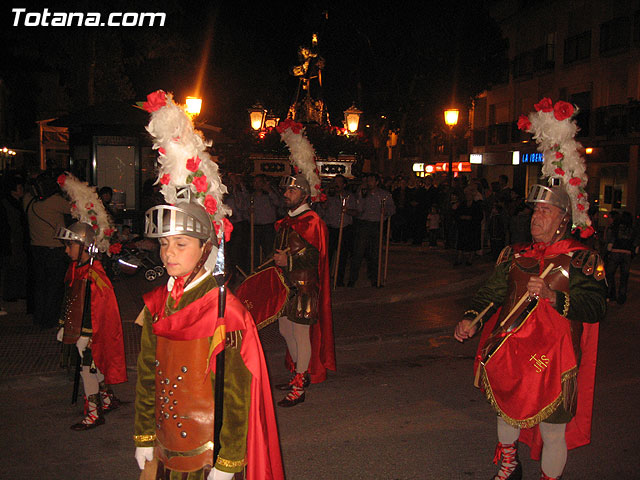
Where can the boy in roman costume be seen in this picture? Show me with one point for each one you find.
(203, 400)
(90, 325)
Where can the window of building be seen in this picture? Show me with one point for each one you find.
(577, 47)
(614, 35)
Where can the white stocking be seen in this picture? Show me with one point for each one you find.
(554, 448)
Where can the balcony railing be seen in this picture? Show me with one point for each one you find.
(612, 122)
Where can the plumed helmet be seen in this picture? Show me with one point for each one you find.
(77, 232)
(298, 181)
(554, 195)
(185, 218)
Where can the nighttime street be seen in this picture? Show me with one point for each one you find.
(401, 405)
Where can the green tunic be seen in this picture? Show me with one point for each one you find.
(237, 392)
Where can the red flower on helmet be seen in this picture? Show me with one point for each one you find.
(587, 231)
(228, 228)
(559, 155)
(559, 171)
(210, 204)
(524, 123)
(288, 123)
(580, 207)
(193, 163)
(201, 183)
(575, 181)
(61, 179)
(562, 110)
(166, 178)
(546, 105)
(155, 101)
(116, 248)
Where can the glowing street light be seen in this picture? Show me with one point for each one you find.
(451, 119)
(352, 119)
(194, 105)
(257, 114)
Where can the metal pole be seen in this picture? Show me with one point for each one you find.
(386, 251)
(337, 260)
(380, 242)
(252, 233)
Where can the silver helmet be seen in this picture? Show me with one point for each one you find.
(185, 218)
(554, 195)
(297, 181)
(77, 232)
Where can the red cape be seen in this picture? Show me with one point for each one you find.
(578, 432)
(313, 229)
(199, 320)
(107, 344)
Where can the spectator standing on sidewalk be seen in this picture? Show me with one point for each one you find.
(622, 244)
(46, 209)
(369, 205)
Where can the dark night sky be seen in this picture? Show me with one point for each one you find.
(377, 54)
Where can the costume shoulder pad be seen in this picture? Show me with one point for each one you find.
(590, 262)
(505, 255)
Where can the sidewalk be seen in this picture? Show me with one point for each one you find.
(414, 273)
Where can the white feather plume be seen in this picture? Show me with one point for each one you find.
(86, 207)
(554, 129)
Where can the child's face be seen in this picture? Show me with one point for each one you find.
(180, 254)
(75, 251)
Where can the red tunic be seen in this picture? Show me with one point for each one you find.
(311, 227)
(107, 344)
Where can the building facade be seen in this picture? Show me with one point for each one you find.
(586, 52)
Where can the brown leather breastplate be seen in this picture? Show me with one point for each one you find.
(184, 404)
(304, 283)
(522, 269)
(73, 311)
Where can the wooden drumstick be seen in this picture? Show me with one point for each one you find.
(525, 296)
(480, 315)
(286, 250)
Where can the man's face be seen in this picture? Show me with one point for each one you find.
(293, 197)
(545, 221)
(180, 254)
(339, 184)
(372, 182)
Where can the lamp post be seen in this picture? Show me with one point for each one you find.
(257, 114)
(451, 119)
(194, 104)
(352, 119)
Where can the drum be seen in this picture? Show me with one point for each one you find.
(264, 294)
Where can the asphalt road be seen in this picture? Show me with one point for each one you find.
(401, 406)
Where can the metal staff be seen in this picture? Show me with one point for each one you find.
(219, 275)
(252, 231)
(380, 241)
(386, 250)
(335, 271)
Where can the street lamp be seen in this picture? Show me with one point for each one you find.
(352, 119)
(257, 114)
(451, 119)
(194, 104)
(271, 121)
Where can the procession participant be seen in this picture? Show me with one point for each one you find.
(301, 253)
(265, 203)
(203, 405)
(340, 204)
(90, 325)
(536, 359)
(369, 203)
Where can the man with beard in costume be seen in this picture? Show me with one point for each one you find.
(536, 364)
(306, 323)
